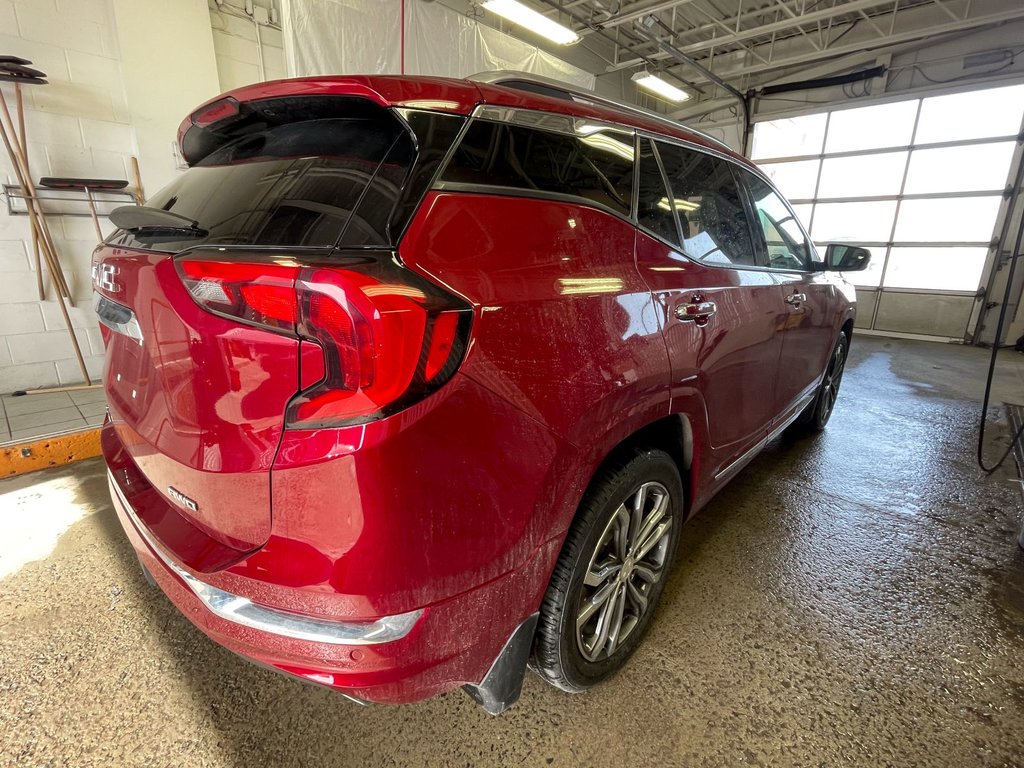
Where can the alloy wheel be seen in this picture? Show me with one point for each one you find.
(833, 377)
(627, 562)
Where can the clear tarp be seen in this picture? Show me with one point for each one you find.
(365, 37)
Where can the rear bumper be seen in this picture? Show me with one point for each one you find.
(390, 660)
(243, 611)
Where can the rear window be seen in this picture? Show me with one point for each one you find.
(303, 171)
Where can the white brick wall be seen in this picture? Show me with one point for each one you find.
(81, 125)
(77, 126)
(234, 40)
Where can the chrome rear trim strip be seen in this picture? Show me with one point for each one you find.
(241, 610)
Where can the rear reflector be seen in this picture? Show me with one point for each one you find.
(388, 336)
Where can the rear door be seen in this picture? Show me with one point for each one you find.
(198, 397)
(811, 305)
(697, 253)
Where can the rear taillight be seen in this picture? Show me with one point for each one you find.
(261, 294)
(389, 337)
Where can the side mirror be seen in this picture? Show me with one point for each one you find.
(846, 258)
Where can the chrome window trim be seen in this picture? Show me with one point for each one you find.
(242, 611)
(584, 96)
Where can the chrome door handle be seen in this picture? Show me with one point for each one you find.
(698, 311)
(796, 298)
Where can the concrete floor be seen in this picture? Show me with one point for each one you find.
(853, 599)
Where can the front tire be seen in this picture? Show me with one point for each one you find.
(816, 415)
(611, 572)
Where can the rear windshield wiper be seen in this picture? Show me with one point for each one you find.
(154, 223)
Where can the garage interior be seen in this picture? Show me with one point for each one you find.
(856, 597)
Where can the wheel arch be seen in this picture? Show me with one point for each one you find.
(672, 434)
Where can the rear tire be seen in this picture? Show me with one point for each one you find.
(611, 572)
(816, 415)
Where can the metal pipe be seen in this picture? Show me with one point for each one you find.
(675, 53)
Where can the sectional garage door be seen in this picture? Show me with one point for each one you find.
(919, 181)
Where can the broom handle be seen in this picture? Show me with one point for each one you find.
(20, 163)
(95, 216)
(20, 104)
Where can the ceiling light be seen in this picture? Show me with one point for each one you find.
(656, 85)
(680, 205)
(524, 16)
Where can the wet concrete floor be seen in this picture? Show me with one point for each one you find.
(851, 599)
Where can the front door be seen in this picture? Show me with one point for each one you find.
(811, 317)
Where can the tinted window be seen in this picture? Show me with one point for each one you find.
(784, 241)
(654, 211)
(300, 172)
(707, 200)
(597, 165)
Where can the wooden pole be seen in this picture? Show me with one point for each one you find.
(18, 161)
(95, 216)
(35, 239)
(140, 195)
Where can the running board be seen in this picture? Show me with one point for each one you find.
(749, 455)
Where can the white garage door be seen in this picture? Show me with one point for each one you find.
(920, 181)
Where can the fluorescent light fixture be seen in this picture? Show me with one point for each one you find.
(606, 143)
(680, 205)
(660, 87)
(524, 16)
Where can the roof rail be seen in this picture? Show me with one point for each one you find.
(551, 87)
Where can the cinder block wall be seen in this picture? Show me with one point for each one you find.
(78, 125)
(234, 40)
(84, 124)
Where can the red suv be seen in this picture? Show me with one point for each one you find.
(413, 381)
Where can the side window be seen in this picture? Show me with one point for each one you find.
(784, 241)
(654, 211)
(706, 197)
(596, 165)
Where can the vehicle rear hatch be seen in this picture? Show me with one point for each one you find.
(198, 383)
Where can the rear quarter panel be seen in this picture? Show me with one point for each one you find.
(565, 329)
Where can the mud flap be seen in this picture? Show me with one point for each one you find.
(503, 682)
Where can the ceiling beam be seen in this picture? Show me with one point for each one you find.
(766, 29)
(826, 69)
(865, 45)
(632, 15)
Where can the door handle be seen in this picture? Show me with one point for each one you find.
(697, 311)
(796, 298)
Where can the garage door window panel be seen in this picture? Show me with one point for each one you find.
(862, 175)
(971, 115)
(862, 222)
(850, 130)
(797, 180)
(960, 169)
(790, 137)
(947, 219)
(934, 268)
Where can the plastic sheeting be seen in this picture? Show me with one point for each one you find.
(365, 37)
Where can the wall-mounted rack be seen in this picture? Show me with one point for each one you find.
(67, 202)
